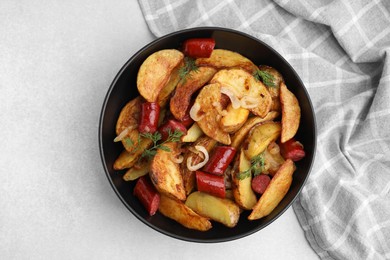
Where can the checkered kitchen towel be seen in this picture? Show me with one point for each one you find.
(341, 51)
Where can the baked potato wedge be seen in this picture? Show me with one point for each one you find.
(241, 185)
(260, 136)
(127, 124)
(234, 118)
(291, 113)
(221, 210)
(168, 89)
(188, 175)
(193, 133)
(139, 169)
(179, 212)
(275, 89)
(208, 104)
(155, 72)
(246, 89)
(240, 135)
(127, 159)
(181, 100)
(275, 191)
(165, 173)
(222, 59)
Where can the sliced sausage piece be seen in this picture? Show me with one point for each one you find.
(147, 194)
(260, 183)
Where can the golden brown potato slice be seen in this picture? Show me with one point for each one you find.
(260, 136)
(234, 119)
(240, 135)
(291, 113)
(139, 169)
(128, 159)
(245, 88)
(221, 210)
(209, 107)
(179, 212)
(193, 133)
(274, 90)
(165, 173)
(127, 124)
(222, 59)
(181, 100)
(242, 186)
(275, 191)
(277, 79)
(168, 89)
(189, 176)
(155, 72)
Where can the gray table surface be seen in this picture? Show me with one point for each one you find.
(58, 59)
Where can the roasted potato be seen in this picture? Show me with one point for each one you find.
(165, 173)
(242, 190)
(128, 159)
(222, 59)
(234, 119)
(179, 212)
(245, 88)
(291, 113)
(139, 169)
(181, 100)
(155, 72)
(170, 86)
(241, 134)
(221, 210)
(275, 89)
(275, 191)
(209, 107)
(188, 175)
(260, 136)
(127, 124)
(193, 133)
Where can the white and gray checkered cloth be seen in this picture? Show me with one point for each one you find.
(341, 51)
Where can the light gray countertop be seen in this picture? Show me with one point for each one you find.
(58, 59)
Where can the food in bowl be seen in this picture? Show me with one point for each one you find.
(211, 135)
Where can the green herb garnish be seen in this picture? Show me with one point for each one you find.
(156, 137)
(257, 166)
(267, 78)
(189, 65)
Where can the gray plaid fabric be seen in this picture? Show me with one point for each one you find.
(341, 51)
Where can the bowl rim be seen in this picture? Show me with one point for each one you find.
(100, 134)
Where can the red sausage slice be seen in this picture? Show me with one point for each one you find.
(147, 194)
(199, 47)
(210, 183)
(260, 183)
(150, 112)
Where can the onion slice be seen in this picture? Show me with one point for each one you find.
(178, 159)
(195, 167)
(233, 98)
(123, 134)
(194, 112)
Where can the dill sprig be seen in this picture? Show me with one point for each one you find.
(189, 66)
(156, 138)
(267, 78)
(257, 166)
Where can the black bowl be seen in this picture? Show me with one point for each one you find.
(123, 89)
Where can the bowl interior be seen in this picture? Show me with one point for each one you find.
(123, 89)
